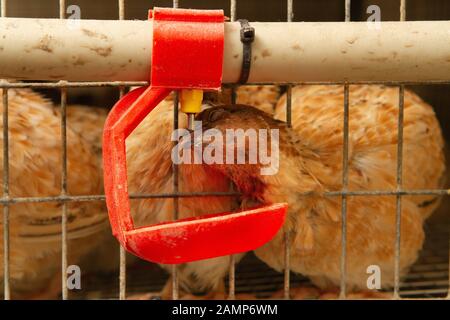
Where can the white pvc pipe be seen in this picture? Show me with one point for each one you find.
(97, 50)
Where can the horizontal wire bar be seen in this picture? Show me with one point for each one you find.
(102, 197)
(386, 82)
(67, 84)
(389, 192)
(82, 198)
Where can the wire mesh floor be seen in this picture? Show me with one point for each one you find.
(428, 277)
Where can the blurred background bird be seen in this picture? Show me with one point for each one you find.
(310, 164)
(150, 170)
(35, 165)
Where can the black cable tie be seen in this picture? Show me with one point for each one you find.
(247, 37)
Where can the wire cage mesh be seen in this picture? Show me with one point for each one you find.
(428, 278)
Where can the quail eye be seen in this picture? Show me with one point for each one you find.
(216, 114)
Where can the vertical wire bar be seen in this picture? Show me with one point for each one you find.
(62, 9)
(175, 291)
(121, 4)
(64, 192)
(287, 254)
(348, 5)
(232, 265)
(6, 288)
(290, 10)
(232, 278)
(402, 10)
(398, 213)
(448, 285)
(122, 274)
(3, 6)
(6, 244)
(233, 10)
(287, 268)
(65, 293)
(289, 105)
(122, 252)
(174, 271)
(343, 262)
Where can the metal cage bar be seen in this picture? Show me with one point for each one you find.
(233, 10)
(232, 262)
(6, 242)
(87, 84)
(399, 179)
(232, 278)
(448, 268)
(64, 262)
(122, 251)
(64, 247)
(287, 253)
(121, 7)
(175, 177)
(398, 213)
(343, 262)
(85, 198)
(3, 7)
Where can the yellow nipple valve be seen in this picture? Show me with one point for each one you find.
(191, 103)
